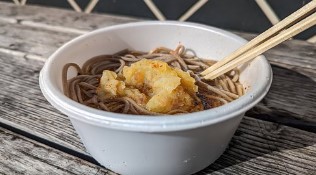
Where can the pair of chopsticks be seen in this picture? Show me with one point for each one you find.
(292, 25)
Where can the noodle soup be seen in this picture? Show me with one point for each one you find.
(136, 144)
(162, 81)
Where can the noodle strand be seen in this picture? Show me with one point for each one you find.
(83, 87)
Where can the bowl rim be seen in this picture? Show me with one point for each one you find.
(165, 123)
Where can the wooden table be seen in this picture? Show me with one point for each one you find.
(278, 136)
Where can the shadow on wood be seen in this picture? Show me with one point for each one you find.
(269, 148)
(282, 149)
(290, 101)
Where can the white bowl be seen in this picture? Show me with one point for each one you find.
(131, 144)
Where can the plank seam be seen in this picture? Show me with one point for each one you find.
(53, 28)
(43, 26)
(49, 143)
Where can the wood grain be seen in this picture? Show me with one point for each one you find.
(292, 54)
(20, 155)
(258, 147)
(59, 17)
(31, 40)
(291, 99)
(23, 106)
(283, 96)
(288, 54)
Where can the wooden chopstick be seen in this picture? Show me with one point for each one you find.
(283, 36)
(288, 21)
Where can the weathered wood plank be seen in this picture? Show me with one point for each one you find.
(23, 105)
(288, 53)
(20, 155)
(31, 40)
(283, 96)
(291, 48)
(44, 42)
(32, 15)
(291, 54)
(257, 148)
(291, 98)
(260, 147)
(292, 93)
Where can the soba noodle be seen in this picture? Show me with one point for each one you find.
(83, 87)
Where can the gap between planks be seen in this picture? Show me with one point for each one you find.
(77, 24)
(273, 55)
(22, 155)
(233, 151)
(257, 147)
(43, 26)
(271, 144)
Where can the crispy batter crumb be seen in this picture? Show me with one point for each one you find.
(154, 85)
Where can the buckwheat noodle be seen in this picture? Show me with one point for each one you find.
(83, 87)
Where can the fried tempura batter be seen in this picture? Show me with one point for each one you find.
(154, 85)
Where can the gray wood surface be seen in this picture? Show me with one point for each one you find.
(287, 54)
(258, 147)
(23, 105)
(20, 155)
(78, 23)
(38, 41)
(74, 22)
(296, 56)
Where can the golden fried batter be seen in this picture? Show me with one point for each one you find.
(154, 85)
